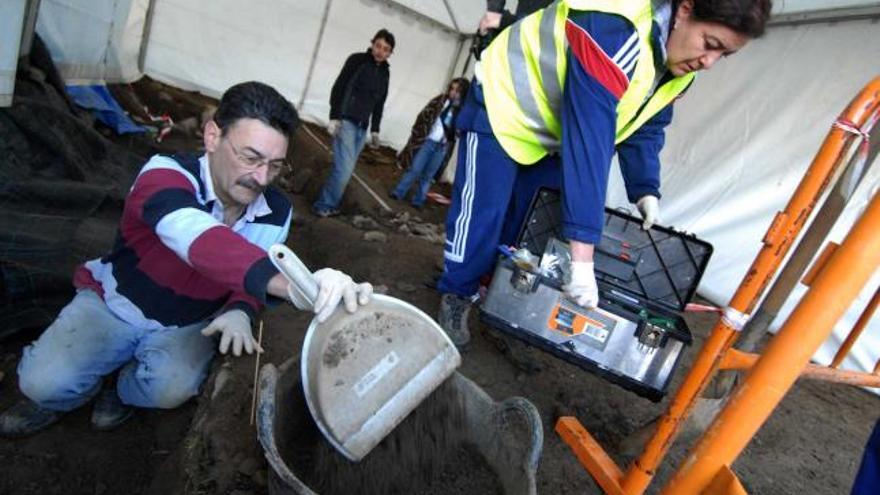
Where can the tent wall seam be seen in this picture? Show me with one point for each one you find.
(823, 16)
(313, 61)
(145, 35)
(451, 15)
(415, 13)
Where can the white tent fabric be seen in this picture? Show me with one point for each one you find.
(739, 144)
(93, 40)
(741, 140)
(221, 43)
(11, 22)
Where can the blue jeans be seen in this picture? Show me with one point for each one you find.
(347, 145)
(424, 166)
(490, 198)
(63, 369)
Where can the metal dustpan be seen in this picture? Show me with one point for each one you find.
(363, 373)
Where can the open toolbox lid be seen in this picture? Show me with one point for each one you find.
(658, 265)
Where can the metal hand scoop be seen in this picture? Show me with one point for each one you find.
(363, 373)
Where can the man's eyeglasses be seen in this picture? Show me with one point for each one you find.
(254, 160)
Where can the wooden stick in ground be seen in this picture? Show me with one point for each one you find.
(256, 373)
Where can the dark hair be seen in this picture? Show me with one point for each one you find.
(385, 35)
(255, 100)
(463, 86)
(747, 17)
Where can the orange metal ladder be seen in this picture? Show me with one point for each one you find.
(861, 114)
(830, 295)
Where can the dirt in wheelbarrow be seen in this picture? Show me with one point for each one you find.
(427, 453)
(811, 444)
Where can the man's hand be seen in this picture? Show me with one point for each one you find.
(334, 286)
(333, 127)
(374, 139)
(235, 328)
(490, 20)
(582, 288)
(649, 207)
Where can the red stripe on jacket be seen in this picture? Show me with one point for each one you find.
(595, 61)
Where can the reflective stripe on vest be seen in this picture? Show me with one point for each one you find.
(523, 73)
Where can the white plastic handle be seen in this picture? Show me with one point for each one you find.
(305, 289)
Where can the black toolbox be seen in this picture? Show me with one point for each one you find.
(636, 336)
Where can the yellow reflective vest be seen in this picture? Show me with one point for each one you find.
(523, 74)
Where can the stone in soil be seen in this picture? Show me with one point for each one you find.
(375, 236)
(364, 222)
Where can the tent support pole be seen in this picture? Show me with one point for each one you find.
(305, 91)
(32, 7)
(145, 37)
(451, 72)
(825, 16)
(451, 15)
(418, 15)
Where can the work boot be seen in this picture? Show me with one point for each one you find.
(109, 412)
(26, 418)
(453, 318)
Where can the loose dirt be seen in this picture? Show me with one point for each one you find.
(426, 453)
(362, 331)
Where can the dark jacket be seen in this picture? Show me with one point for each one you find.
(422, 127)
(360, 91)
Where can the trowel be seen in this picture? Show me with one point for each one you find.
(364, 372)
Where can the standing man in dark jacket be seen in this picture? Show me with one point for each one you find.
(356, 101)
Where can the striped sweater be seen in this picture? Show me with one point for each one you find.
(174, 262)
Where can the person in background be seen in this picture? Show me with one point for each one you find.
(189, 264)
(430, 143)
(356, 103)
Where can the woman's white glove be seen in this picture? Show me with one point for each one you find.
(333, 127)
(334, 286)
(235, 328)
(582, 288)
(649, 207)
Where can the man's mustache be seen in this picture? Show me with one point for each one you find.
(250, 184)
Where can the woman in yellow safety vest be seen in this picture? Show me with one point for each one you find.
(555, 96)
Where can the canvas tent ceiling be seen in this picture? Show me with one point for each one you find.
(740, 142)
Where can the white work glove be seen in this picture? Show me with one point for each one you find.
(374, 139)
(333, 127)
(649, 207)
(334, 286)
(235, 328)
(490, 20)
(582, 288)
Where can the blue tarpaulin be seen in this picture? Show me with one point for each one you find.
(104, 107)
